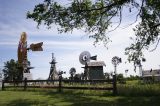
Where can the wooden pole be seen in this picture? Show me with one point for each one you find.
(60, 83)
(25, 84)
(2, 85)
(114, 85)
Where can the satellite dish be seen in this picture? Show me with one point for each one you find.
(84, 57)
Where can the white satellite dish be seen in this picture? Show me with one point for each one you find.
(84, 57)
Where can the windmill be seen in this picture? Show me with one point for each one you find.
(138, 63)
(126, 71)
(84, 58)
(116, 61)
(22, 54)
(92, 69)
(53, 72)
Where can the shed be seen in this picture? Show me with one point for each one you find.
(149, 75)
(94, 70)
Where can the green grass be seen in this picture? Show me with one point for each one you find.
(134, 88)
(73, 98)
(131, 94)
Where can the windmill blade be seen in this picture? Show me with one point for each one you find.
(36, 47)
(93, 57)
(84, 57)
(22, 48)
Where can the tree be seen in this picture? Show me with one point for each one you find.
(133, 77)
(96, 17)
(120, 78)
(107, 75)
(72, 72)
(77, 77)
(12, 71)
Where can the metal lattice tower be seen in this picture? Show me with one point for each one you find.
(53, 72)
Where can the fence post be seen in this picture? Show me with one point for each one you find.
(25, 83)
(114, 85)
(60, 83)
(2, 85)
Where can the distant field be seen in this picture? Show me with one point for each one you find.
(130, 94)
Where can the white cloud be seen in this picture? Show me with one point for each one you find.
(8, 43)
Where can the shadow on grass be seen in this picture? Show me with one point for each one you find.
(72, 98)
(139, 95)
(80, 99)
(23, 102)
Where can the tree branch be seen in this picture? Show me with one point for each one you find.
(108, 7)
(136, 15)
(155, 46)
(120, 20)
(156, 25)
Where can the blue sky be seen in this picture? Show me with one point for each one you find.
(65, 46)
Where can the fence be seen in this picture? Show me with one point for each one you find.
(62, 84)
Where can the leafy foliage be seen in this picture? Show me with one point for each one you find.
(12, 71)
(97, 17)
(147, 31)
(72, 72)
(121, 79)
(94, 17)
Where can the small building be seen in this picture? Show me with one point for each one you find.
(151, 75)
(94, 70)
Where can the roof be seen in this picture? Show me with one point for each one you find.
(147, 73)
(96, 63)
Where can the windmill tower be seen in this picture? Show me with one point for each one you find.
(22, 55)
(53, 72)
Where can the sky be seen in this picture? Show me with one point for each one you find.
(66, 46)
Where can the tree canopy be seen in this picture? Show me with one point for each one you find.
(97, 16)
(72, 72)
(12, 71)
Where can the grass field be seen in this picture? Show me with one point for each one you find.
(128, 95)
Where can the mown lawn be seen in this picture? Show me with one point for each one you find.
(131, 94)
(73, 98)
